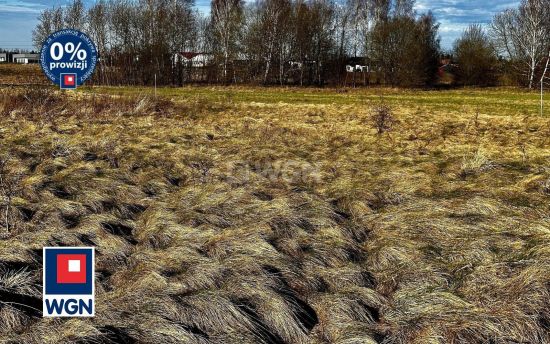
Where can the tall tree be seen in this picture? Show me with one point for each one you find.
(49, 21)
(98, 29)
(403, 8)
(309, 41)
(476, 57)
(523, 34)
(74, 15)
(268, 20)
(406, 49)
(323, 29)
(359, 26)
(380, 10)
(43, 29)
(227, 16)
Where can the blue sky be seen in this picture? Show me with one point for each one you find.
(18, 17)
(455, 15)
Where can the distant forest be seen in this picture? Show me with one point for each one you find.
(303, 42)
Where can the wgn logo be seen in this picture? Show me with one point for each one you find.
(68, 282)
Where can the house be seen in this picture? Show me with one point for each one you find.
(194, 59)
(446, 66)
(25, 58)
(358, 70)
(358, 64)
(3, 57)
(295, 65)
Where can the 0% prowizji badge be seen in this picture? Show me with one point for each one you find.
(68, 58)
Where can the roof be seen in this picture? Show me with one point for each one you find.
(191, 54)
(25, 55)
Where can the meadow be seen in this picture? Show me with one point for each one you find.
(280, 215)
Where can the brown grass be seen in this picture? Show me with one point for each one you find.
(18, 74)
(221, 222)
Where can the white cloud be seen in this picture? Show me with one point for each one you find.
(454, 16)
(20, 7)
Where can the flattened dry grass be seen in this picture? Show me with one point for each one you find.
(247, 222)
(19, 74)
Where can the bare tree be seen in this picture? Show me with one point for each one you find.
(323, 29)
(476, 57)
(403, 8)
(380, 10)
(360, 26)
(98, 29)
(523, 34)
(343, 16)
(266, 24)
(227, 19)
(406, 49)
(74, 15)
(49, 21)
(276, 16)
(181, 31)
(140, 41)
(43, 29)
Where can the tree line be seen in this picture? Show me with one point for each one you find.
(514, 50)
(301, 42)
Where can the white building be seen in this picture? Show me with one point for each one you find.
(194, 58)
(26, 58)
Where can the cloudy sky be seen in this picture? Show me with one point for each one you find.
(18, 17)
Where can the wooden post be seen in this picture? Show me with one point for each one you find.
(542, 84)
(346, 79)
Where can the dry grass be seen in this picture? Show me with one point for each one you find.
(235, 222)
(18, 74)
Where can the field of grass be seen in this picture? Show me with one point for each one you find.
(498, 101)
(17, 74)
(250, 215)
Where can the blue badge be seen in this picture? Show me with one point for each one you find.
(68, 58)
(69, 280)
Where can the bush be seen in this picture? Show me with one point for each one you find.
(382, 119)
(407, 50)
(476, 58)
(31, 100)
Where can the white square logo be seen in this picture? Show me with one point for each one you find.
(74, 266)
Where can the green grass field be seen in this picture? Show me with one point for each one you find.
(503, 101)
(269, 215)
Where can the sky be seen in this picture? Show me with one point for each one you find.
(19, 17)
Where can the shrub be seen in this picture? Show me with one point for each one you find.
(476, 58)
(382, 119)
(474, 164)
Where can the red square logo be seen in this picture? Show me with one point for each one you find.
(69, 79)
(71, 268)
